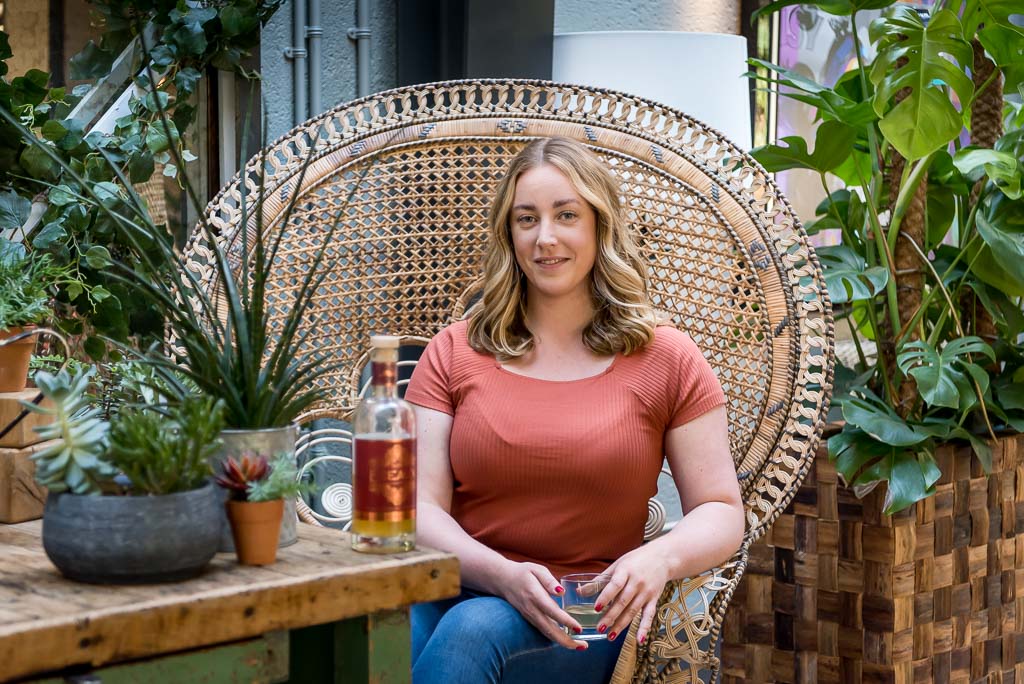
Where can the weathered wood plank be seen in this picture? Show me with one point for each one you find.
(258, 661)
(49, 623)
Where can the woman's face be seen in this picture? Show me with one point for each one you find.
(554, 233)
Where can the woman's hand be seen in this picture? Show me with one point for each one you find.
(637, 580)
(529, 587)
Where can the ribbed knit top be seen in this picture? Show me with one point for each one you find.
(559, 472)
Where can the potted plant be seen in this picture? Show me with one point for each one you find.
(131, 498)
(221, 339)
(928, 280)
(257, 491)
(26, 283)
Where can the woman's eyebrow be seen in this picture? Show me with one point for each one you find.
(559, 203)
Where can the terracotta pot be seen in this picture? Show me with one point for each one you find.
(255, 528)
(14, 359)
(268, 442)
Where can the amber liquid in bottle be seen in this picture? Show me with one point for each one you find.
(384, 460)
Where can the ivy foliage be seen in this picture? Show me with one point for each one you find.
(77, 236)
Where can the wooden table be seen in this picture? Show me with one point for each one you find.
(321, 613)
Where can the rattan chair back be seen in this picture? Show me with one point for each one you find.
(410, 174)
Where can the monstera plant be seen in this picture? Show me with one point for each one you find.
(931, 262)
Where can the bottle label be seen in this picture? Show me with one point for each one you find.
(385, 478)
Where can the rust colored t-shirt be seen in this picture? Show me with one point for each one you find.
(559, 472)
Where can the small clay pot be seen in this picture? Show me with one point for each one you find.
(255, 528)
(14, 359)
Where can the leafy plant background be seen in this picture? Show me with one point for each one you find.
(90, 304)
(931, 265)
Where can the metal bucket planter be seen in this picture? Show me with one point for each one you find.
(270, 443)
(132, 539)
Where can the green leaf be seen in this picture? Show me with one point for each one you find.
(909, 474)
(837, 7)
(50, 233)
(872, 416)
(847, 276)
(38, 163)
(853, 449)
(940, 375)
(91, 63)
(1001, 167)
(924, 60)
(97, 257)
(54, 130)
(14, 209)
(170, 170)
(99, 293)
(95, 348)
(141, 166)
(1007, 249)
(833, 143)
(235, 22)
(5, 52)
(191, 39)
(186, 79)
(74, 290)
(156, 101)
(830, 103)
(156, 137)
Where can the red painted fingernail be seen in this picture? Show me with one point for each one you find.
(581, 648)
(611, 637)
(559, 590)
(641, 639)
(598, 607)
(601, 628)
(578, 630)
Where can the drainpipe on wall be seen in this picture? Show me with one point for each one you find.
(361, 34)
(297, 53)
(314, 32)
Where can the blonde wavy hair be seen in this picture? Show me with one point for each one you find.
(624, 319)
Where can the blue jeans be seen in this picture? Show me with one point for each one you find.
(477, 638)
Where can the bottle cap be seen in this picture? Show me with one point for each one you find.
(385, 341)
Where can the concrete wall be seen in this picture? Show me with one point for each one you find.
(339, 70)
(28, 25)
(709, 16)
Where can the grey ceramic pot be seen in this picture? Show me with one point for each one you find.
(132, 539)
(269, 442)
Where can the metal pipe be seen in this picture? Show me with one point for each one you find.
(297, 53)
(226, 142)
(361, 34)
(314, 33)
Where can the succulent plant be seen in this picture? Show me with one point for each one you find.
(282, 481)
(237, 474)
(75, 461)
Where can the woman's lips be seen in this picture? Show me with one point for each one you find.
(550, 263)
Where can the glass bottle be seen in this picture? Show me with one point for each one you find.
(384, 459)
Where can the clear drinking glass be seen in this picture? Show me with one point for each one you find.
(581, 591)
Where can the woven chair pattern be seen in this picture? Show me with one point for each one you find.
(728, 263)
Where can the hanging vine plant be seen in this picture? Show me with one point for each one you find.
(41, 204)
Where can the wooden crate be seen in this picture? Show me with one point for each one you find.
(21, 498)
(839, 592)
(18, 429)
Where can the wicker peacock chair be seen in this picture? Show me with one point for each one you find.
(728, 262)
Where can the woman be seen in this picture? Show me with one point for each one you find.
(542, 422)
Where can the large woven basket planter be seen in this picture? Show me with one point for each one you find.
(837, 591)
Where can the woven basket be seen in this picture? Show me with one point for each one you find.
(729, 264)
(839, 592)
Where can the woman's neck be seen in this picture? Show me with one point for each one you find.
(559, 322)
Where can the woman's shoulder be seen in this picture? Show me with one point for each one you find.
(670, 342)
(453, 343)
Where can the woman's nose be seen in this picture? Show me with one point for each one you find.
(546, 234)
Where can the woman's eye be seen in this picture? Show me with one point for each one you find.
(567, 215)
(525, 219)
